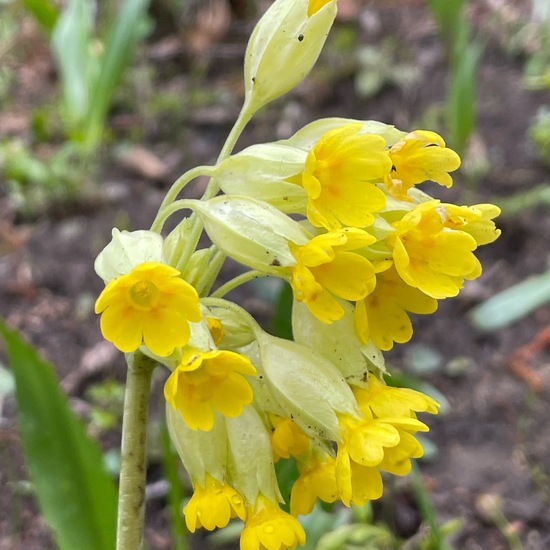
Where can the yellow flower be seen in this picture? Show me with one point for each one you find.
(317, 480)
(397, 406)
(149, 305)
(421, 155)
(215, 328)
(430, 255)
(356, 483)
(475, 220)
(287, 438)
(326, 268)
(382, 400)
(208, 381)
(267, 527)
(212, 505)
(339, 177)
(383, 315)
(381, 439)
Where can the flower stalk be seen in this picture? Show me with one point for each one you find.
(131, 498)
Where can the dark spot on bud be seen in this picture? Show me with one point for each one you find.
(300, 37)
(276, 262)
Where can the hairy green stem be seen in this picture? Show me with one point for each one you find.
(173, 192)
(237, 281)
(131, 497)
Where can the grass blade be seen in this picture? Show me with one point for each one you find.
(44, 11)
(76, 496)
(71, 45)
(127, 29)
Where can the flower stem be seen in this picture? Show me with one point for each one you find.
(131, 498)
(237, 281)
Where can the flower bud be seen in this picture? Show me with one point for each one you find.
(200, 451)
(252, 456)
(250, 231)
(263, 172)
(337, 342)
(284, 47)
(306, 384)
(127, 250)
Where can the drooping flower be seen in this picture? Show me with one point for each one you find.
(399, 407)
(356, 483)
(267, 527)
(287, 438)
(421, 155)
(339, 177)
(431, 256)
(317, 480)
(208, 381)
(383, 315)
(327, 267)
(476, 220)
(212, 505)
(150, 305)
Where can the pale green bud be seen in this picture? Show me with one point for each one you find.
(337, 341)
(250, 231)
(127, 250)
(175, 241)
(306, 384)
(252, 469)
(196, 266)
(261, 171)
(200, 451)
(236, 327)
(283, 48)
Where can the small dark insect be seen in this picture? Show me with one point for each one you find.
(300, 37)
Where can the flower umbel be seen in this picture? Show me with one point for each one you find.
(332, 210)
(208, 381)
(150, 305)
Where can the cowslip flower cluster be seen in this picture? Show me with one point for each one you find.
(335, 211)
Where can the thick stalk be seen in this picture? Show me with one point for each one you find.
(131, 498)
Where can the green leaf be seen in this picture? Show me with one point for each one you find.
(512, 304)
(44, 11)
(76, 495)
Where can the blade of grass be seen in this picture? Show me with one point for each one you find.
(126, 30)
(44, 11)
(427, 510)
(461, 96)
(71, 45)
(512, 304)
(76, 495)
